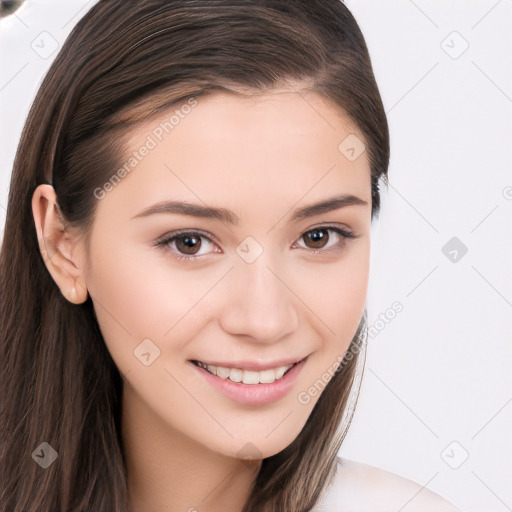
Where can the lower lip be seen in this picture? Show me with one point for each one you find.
(253, 394)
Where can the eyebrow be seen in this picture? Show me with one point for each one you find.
(228, 216)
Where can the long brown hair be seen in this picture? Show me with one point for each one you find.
(123, 62)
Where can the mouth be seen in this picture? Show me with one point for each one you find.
(249, 387)
(251, 377)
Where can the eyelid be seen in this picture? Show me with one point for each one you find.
(190, 231)
(164, 240)
(333, 225)
(343, 231)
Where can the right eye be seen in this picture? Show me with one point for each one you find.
(185, 244)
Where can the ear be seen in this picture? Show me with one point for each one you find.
(61, 250)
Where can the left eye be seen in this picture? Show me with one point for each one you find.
(320, 240)
(187, 244)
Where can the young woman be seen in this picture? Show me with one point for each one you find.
(185, 265)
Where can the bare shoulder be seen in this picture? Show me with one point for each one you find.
(359, 487)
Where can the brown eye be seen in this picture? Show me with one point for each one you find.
(321, 240)
(193, 245)
(188, 243)
(318, 238)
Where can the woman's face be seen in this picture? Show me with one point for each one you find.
(262, 284)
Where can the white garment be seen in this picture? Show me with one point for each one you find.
(356, 486)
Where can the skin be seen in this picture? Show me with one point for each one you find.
(262, 158)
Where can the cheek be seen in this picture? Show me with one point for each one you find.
(336, 298)
(336, 293)
(138, 294)
(123, 290)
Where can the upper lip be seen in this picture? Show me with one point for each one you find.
(253, 365)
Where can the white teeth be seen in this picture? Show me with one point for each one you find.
(235, 374)
(250, 377)
(247, 376)
(280, 371)
(223, 373)
(268, 376)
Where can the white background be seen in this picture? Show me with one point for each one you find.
(437, 386)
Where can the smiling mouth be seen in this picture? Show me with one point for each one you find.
(248, 376)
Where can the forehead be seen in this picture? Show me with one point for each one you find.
(281, 146)
(291, 116)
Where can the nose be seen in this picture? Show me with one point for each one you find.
(259, 303)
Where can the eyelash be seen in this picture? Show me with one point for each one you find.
(170, 237)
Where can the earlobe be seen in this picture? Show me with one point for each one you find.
(57, 246)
